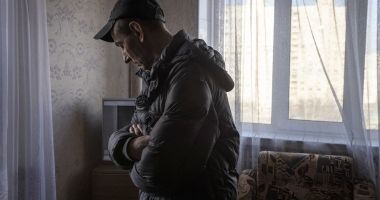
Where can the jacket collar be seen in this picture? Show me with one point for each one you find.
(155, 77)
(163, 62)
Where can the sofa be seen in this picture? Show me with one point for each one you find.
(302, 176)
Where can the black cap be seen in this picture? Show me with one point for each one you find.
(136, 9)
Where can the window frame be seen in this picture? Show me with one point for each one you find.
(281, 126)
(281, 79)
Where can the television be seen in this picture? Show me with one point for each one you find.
(117, 113)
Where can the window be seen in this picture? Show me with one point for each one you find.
(281, 51)
(370, 97)
(317, 33)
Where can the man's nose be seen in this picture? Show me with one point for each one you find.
(126, 58)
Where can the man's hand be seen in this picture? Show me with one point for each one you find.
(136, 129)
(136, 145)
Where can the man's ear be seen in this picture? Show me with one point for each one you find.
(136, 28)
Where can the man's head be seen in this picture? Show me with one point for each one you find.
(137, 27)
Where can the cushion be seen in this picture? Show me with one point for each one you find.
(364, 190)
(247, 184)
(299, 176)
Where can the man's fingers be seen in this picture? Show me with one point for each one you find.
(139, 127)
(131, 130)
(136, 129)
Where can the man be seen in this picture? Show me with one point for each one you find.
(182, 142)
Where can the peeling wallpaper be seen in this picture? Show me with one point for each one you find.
(82, 72)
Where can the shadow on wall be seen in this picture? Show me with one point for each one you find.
(78, 183)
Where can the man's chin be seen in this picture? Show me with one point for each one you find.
(141, 66)
(136, 65)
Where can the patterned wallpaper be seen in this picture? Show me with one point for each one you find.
(83, 71)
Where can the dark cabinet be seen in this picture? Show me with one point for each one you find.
(112, 183)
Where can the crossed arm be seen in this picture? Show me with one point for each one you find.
(137, 144)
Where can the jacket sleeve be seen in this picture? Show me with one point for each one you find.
(117, 147)
(173, 137)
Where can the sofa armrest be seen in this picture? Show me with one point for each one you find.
(247, 184)
(364, 190)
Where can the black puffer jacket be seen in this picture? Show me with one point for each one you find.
(184, 108)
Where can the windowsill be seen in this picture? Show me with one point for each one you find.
(305, 137)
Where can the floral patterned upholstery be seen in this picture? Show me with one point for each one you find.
(364, 190)
(247, 184)
(300, 176)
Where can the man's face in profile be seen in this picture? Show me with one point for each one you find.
(131, 42)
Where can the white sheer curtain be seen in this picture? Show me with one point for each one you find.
(305, 74)
(26, 137)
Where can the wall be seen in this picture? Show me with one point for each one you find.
(181, 15)
(83, 71)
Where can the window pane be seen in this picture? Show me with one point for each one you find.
(370, 74)
(250, 48)
(317, 37)
(203, 20)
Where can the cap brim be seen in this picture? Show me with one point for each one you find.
(105, 32)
